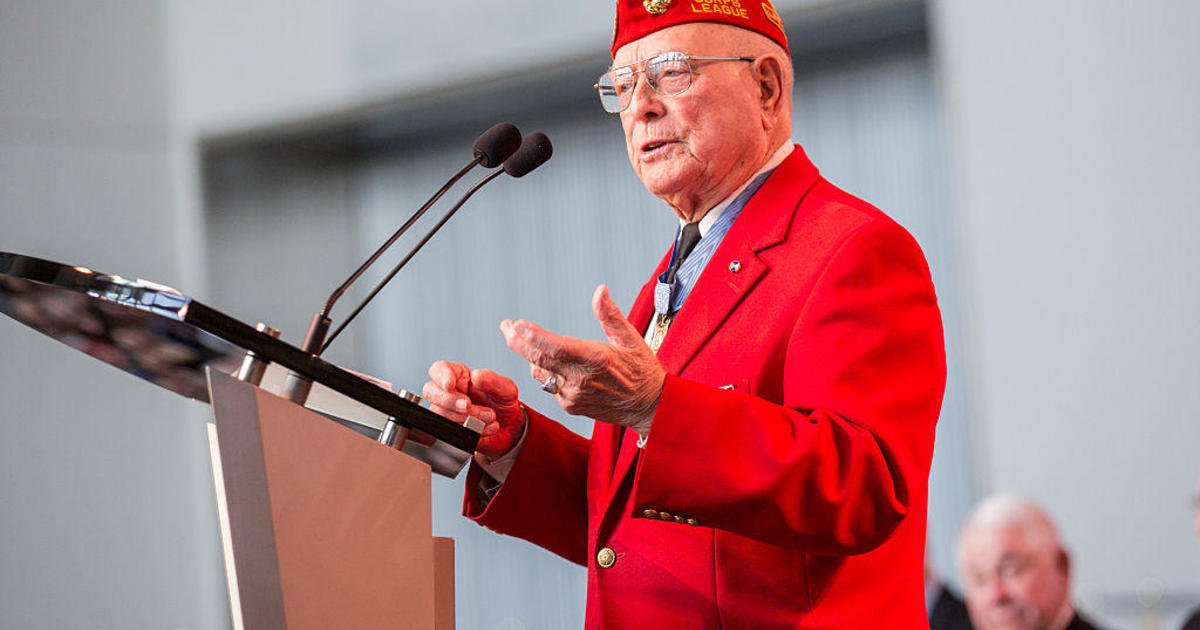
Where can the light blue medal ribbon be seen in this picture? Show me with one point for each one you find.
(669, 298)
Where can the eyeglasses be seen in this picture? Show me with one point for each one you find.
(668, 74)
(1008, 570)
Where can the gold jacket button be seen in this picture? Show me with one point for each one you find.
(664, 516)
(679, 519)
(693, 522)
(606, 557)
(649, 513)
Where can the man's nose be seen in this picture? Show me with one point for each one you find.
(997, 592)
(645, 102)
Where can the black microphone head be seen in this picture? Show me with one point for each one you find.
(535, 151)
(497, 144)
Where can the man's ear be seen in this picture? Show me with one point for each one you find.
(768, 71)
(1063, 562)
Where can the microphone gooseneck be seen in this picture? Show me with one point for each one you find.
(425, 239)
(491, 149)
(534, 151)
(337, 293)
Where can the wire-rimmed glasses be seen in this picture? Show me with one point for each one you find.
(668, 74)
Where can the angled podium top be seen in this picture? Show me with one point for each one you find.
(160, 335)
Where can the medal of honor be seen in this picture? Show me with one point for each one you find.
(661, 323)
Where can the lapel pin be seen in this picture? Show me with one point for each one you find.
(735, 266)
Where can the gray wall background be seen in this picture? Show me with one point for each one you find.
(1073, 138)
(1068, 131)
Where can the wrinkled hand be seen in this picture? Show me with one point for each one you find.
(456, 391)
(618, 382)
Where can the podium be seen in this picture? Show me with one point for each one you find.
(322, 527)
(325, 523)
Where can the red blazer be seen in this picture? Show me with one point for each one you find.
(784, 482)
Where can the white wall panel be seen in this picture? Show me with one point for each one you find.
(253, 63)
(1074, 135)
(104, 482)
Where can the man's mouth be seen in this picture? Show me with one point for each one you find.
(655, 145)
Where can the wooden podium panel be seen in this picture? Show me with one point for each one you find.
(326, 527)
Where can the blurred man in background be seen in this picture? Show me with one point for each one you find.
(765, 416)
(1193, 620)
(1016, 571)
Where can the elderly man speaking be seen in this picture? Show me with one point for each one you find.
(765, 416)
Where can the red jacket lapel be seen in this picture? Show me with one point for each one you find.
(763, 222)
(623, 451)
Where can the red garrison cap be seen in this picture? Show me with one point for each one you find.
(638, 18)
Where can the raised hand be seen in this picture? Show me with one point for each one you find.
(617, 382)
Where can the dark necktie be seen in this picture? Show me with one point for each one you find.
(688, 237)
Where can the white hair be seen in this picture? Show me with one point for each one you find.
(752, 44)
(1006, 510)
(744, 42)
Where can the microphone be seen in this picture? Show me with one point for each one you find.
(491, 149)
(535, 150)
(497, 144)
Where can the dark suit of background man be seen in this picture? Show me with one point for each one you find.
(765, 416)
(947, 611)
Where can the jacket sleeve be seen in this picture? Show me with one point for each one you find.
(544, 498)
(838, 463)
